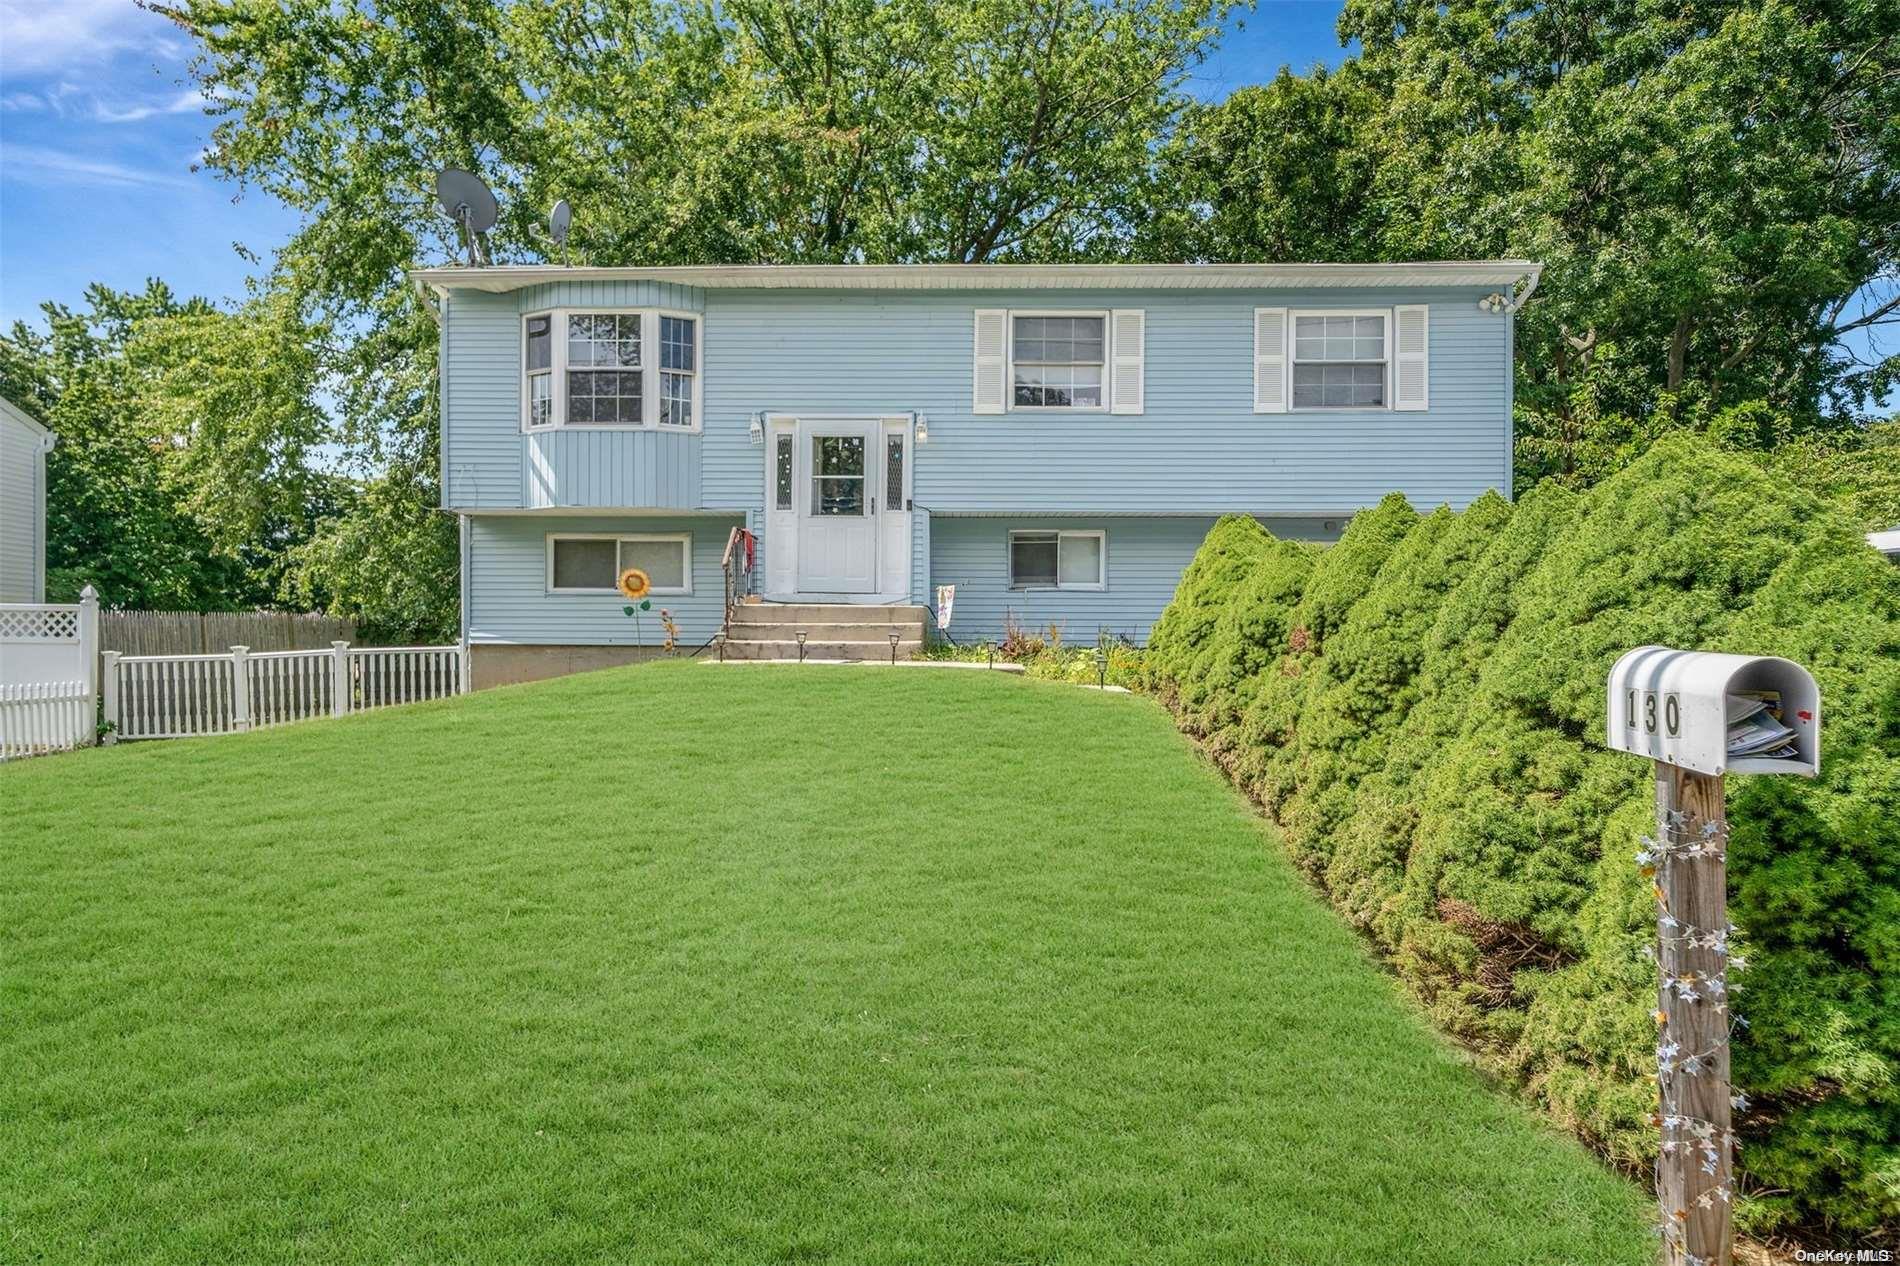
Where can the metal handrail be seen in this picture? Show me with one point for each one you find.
(737, 565)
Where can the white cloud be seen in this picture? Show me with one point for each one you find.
(45, 37)
(57, 167)
(187, 102)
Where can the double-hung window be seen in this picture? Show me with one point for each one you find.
(603, 369)
(611, 369)
(1056, 361)
(1058, 560)
(593, 562)
(1339, 360)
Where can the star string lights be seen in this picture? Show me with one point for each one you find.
(1709, 1145)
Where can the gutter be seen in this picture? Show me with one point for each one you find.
(1521, 297)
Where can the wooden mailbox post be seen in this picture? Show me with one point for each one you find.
(1676, 708)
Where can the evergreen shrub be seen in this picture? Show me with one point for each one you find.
(1421, 707)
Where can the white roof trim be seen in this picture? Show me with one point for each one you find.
(31, 423)
(1498, 272)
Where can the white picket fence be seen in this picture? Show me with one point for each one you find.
(42, 717)
(48, 657)
(183, 696)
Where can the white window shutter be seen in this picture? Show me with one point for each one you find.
(1130, 336)
(1269, 360)
(1411, 347)
(991, 377)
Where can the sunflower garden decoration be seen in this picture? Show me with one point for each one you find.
(634, 587)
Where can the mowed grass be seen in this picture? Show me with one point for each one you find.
(685, 963)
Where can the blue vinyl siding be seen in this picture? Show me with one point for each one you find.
(575, 466)
(1145, 560)
(1198, 447)
(489, 461)
(481, 372)
(1154, 480)
(508, 599)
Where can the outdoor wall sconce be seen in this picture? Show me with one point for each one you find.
(800, 635)
(1494, 302)
(757, 429)
(922, 428)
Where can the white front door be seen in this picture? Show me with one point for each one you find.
(837, 495)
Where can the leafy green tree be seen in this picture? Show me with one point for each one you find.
(1712, 189)
(683, 132)
(1278, 172)
(120, 504)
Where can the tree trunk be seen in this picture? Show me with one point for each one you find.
(1679, 351)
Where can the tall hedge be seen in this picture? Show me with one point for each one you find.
(1180, 643)
(1252, 632)
(1427, 729)
(1265, 751)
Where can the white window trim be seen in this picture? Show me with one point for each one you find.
(1009, 360)
(649, 368)
(1101, 553)
(1293, 316)
(684, 539)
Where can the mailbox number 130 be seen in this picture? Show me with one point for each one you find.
(1671, 705)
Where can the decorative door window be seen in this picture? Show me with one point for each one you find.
(837, 475)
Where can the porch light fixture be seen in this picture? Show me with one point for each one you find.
(757, 429)
(922, 427)
(1494, 302)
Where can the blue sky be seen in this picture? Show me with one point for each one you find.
(99, 131)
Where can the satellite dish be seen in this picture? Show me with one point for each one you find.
(466, 200)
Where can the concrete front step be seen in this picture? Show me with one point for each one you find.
(909, 630)
(818, 651)
(826, 613)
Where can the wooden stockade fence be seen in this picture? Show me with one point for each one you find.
(183, 696)
(215, 632)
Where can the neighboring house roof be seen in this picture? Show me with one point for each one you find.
(1887, 542)
(1495, 272)
(11, 410)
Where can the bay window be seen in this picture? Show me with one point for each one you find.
(619, 369)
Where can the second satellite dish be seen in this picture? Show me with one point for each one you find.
(466, 200)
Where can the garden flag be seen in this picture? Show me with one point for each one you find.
(946, 597)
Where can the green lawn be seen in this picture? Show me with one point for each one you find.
(747, 964)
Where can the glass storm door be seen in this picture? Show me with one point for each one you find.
(838, 500)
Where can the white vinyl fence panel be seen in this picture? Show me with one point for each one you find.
(48, 661)
(182, 696)
(46, 716)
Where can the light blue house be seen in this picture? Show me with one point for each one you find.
(1054, 441)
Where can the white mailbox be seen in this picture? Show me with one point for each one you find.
(1716, 714)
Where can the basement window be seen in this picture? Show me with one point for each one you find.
(591, 563)
(1058, 560)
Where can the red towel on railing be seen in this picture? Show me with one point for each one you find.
(751, 545)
